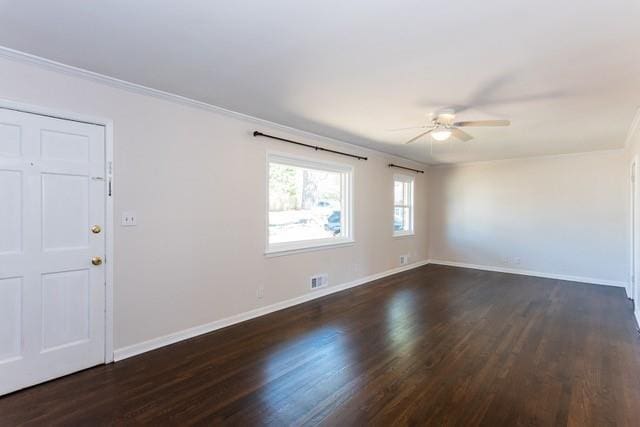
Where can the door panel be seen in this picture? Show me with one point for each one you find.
(10, 318)
(10, 140)
(65, 211)
(52, 298)
(64, 146)
(10, 211)
(65, 308)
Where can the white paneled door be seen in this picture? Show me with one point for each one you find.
(52, 248)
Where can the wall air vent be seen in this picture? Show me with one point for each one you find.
(319, 281)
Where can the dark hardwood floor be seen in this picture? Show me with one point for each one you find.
(432, 346)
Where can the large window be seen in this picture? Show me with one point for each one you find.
(402, 205)
(309, 204)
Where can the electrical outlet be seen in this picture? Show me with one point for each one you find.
(404, 259)
(517, 261)
(129, 219)
(260, 291)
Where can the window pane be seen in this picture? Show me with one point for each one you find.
(399, 193)
(401, 219)
(403, 205)
(304, 204)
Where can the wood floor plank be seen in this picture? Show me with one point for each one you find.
(432, 346)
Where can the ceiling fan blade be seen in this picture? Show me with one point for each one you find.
(409, 128)
(420, 135)
(461, 135)
(483, 123)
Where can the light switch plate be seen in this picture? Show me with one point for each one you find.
(129, 219)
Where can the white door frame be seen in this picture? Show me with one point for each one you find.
(633, 231)
(109, 214)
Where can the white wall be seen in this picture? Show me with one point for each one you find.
(196, 179)
(558, 215)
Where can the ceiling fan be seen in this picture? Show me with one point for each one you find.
(443, 126)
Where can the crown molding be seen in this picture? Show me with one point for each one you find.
(139, 89)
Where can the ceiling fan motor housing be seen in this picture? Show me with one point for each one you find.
(446, 118)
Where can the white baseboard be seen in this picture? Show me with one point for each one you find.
(139, 348)
(588, 280)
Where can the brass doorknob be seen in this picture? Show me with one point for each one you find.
(96, 229)
(96, 260)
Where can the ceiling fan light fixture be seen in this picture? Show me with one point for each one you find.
(441, 134)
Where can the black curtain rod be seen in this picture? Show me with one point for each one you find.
(391, 165)
(315, 147)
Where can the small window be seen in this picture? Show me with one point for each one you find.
(402, 205)
(309, 204)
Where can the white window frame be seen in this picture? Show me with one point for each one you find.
(346, 205)
(407, 179)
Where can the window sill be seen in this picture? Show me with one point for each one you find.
(292, 250)
(400, 235)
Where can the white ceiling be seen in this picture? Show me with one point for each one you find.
(566, 73)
